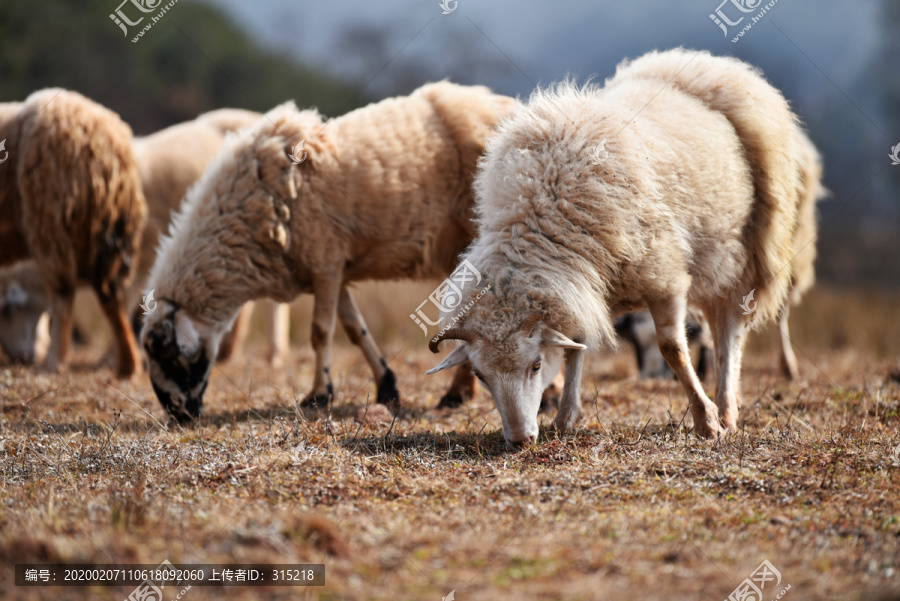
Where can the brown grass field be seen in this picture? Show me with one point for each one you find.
(631, 506)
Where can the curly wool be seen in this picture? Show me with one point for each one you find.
(384, 192)
(591, 200)
(75, 201)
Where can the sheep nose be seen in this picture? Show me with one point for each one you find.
(520, 441)
(24, 358)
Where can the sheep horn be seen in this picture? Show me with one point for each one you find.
(453, 334)
(532, 321)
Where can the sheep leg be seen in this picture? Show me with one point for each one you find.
(462, 388)
(569, 412)
(60, 329)
(326, 290)
(233, 340)
(731, 331)
(706, 364)
(789, 366)
(127, 358)
(359, 334)
(669, 316)
(278, 322)
(550, 396)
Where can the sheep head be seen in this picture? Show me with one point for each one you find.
(180, 354)
(516, 364)
(23, 300)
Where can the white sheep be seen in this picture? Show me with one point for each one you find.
(638, 327)
(593, 202)
(169, 162)
(300, 205)
(70, 198)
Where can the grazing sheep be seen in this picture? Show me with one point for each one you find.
(23, 303)
(638, 327)
(381, 193)
(594, 202)
(70, 198)
(169, 162)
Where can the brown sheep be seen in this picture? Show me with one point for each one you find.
(70, 197)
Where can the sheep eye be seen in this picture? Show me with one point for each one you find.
(536, 366)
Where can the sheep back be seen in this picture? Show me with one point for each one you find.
(82, 206)
(765, 125)
(13, 246)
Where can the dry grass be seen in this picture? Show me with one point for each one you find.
(632, 506)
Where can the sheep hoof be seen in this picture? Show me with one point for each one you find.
(316, 401)
(387, 391)
(708, 430)
(565, 423)
(451, 400)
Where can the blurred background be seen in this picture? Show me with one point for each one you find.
(838, 62)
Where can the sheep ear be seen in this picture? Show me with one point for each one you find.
(459, 355)
(550, 337)
(187, 336)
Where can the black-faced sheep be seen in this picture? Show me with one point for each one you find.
(691, 201)
(169, 162)
(381, 193)
(70, 198)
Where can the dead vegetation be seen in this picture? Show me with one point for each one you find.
(631, 506)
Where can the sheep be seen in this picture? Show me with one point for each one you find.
(300, 205)
(169, 161)
(638, 327)
(592, 202)
(23, 304)
(70, 198)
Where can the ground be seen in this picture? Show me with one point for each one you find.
(631, 506)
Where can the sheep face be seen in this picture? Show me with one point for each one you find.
(180, 354)
(20, 312)
(516, 369)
